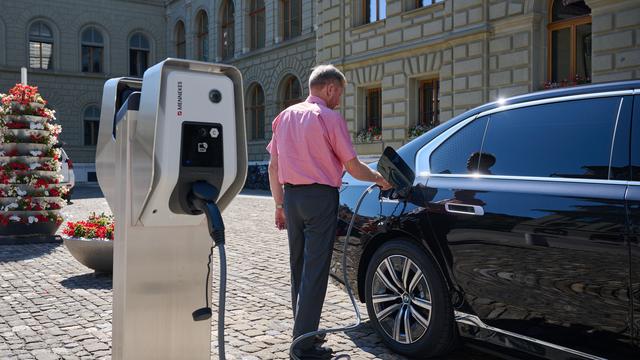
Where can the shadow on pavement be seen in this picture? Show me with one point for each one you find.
(369, 341)
(86, 192)
(98, 281)
(26, 251)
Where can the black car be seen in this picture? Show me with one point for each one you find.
(521, 230)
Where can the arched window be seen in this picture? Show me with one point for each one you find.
(202, 36)
(181, 42)
(91, 119)
(257, 24)
(40, 46)
(569, 42)
(255, 112)
(291, 91)
(291, 15)
(92, 50)
(227, 33)
(139, 50)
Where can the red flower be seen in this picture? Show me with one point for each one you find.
(12, 152)
(41, 183)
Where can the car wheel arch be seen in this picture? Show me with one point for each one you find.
(380, 239)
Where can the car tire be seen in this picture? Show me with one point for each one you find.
(400, 306)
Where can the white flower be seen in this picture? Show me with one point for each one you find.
(36, 126)
(2, 153)
(33, 219)
(35, 153)
(21, 192)
(34, 166)
(46, 193)
(15, 218)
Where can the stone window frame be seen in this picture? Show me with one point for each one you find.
(33, 38)
(104, 64)
(150, 49)
(227, 23)
(571, 24)
(256, 126)
(284, 25)
(180, 39)
(202, 35)
(256, 31)
(95, 124)
(285, 93)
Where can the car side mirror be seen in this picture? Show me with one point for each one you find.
(396, 171)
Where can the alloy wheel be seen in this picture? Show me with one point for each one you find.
(401, 299)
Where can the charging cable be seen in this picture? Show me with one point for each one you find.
(202, 197)
(345, 279)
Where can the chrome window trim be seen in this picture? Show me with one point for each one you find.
(423, 168)
(557, 99)
(472, 320)
(613, 140)
(532, 178)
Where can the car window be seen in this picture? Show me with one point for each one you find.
(459, 153)
(570, 139)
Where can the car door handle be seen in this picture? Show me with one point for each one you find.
(464, 209)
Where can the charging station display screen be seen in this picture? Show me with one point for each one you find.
(202, 145)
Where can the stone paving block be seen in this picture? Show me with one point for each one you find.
(72, 320)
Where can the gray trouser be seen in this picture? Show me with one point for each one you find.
(312, 217)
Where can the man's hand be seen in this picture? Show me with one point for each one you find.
(281, 219)
(361, 171)
(383, 183)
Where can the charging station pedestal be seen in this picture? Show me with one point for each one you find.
(182, 123)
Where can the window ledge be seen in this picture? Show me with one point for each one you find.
(409, 14)
(368, 26)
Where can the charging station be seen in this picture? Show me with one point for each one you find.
(171, 147)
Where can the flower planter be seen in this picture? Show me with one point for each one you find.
(96, 254)
(21, 229)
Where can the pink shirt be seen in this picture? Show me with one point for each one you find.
(312, 144)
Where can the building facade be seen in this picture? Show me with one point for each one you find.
(410, 64)
(70, 48)
(413, 64)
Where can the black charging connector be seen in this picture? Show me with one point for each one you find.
(202, 199)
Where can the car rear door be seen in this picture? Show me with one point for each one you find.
(535, 226)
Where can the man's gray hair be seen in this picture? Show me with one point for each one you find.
(323, 75)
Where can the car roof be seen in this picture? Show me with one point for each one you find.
(409, 150)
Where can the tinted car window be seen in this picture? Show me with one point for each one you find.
(570, 139)
(458, 153)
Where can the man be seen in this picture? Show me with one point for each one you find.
(309, 149)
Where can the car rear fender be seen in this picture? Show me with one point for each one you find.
(396, 234)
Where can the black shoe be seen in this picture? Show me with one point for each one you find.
(320, 339)
(312, 353)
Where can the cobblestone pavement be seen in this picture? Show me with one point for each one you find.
(51, 307)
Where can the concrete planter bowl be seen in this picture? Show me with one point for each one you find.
(96, 254)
